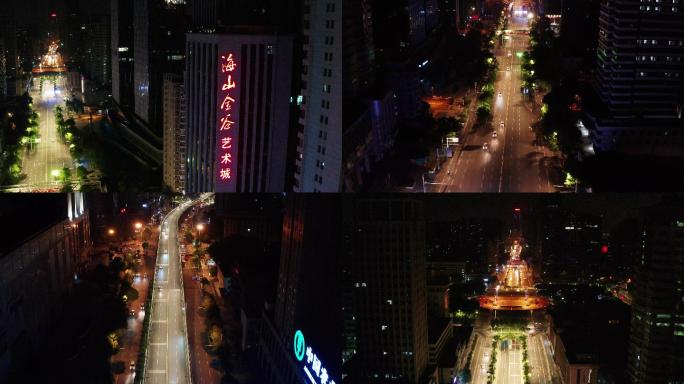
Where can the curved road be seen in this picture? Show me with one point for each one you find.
(167, 344)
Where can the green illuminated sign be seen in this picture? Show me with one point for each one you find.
(299, 345)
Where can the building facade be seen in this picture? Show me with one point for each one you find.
(237, 86)
(299, 344)
(97, 49)
(640, 76)
(174, 132)
(122, 51)
(158, 47)
(656, 340)
(35, 279)
(387, 240)
(318, 162)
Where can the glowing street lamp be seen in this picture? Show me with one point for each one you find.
(138, 225)
(199, 227)
(111, 232)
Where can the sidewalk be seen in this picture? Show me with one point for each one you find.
(132, 335)
(200, 358)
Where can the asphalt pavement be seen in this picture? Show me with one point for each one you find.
(168, 355)
(512, 162)
(50, 153)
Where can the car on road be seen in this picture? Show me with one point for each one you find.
(494, 135)
(509, 53)
(145, 275)
(131, 313)
(485, 146)
(508, 68)
(142, 307)
(501, 125)
(499, 94)
(132, 366)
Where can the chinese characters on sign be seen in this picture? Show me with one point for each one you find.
(226, 118)
(313, 367)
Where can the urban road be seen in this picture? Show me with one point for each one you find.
(167, 344)
(509, 362)
(50, 153)
(512, 163)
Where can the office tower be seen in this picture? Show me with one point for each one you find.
(122, 52)
(97, 58)
(159, 41)
(358, 58)
(387, 273)
(174, 132)
(206, 14)
(9, 63)
(656, 340)
(639, 76)
(318, 162)
(307, 307)
(237, 88)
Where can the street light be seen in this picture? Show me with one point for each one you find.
(138, 225)
(111, 231)
(199, 227)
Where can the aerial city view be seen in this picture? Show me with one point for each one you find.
(324, 289)
(342, 191)
(181, 96)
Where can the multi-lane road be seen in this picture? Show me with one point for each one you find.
(167, 345)
(50, 153)
(541, 364)
(512, 162)
(509, 363)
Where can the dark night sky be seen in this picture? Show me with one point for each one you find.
(37, 11)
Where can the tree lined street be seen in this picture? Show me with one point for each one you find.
(511, 161)
(43, 166)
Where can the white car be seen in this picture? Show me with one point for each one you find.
(508, 68)
(501, 125)
(494, 135)
(485, 146)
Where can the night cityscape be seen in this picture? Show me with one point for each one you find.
(191, 96)
(273, 288)
(342, 191)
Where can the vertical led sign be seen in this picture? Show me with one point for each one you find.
(227, 122)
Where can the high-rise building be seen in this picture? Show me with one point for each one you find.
(9, 62)
(387, 275)
(358, 56)
(159, 42)
(318, 162)
(97, 47)
(640, 77)
(206, 14)
(122, 52)
(302, 341)
(237, 88)
(656, 340)
(174, 132)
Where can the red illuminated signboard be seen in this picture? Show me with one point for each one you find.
(226, 118)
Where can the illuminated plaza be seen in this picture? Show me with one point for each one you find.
(514, 289)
